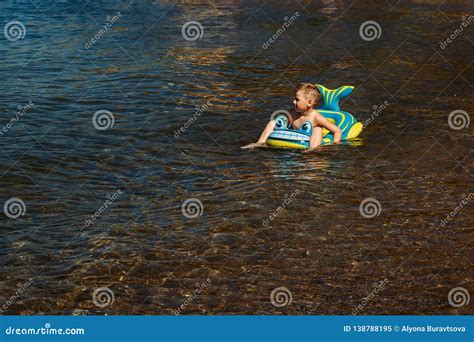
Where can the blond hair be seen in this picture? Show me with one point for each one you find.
(310, 91)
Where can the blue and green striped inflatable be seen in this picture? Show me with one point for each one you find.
(285, 137)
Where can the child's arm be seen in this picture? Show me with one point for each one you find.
(316, 138)
(322, 121)
(268, 130)
(264, 136)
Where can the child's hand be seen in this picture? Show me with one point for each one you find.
(253, 145)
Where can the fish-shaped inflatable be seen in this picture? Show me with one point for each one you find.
(285, 137)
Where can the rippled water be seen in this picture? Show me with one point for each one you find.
(151, 79)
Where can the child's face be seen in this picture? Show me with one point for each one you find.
(301, 102)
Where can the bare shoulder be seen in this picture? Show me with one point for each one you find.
(316, 117)
(317, 114)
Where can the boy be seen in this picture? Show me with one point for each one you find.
(306, 99)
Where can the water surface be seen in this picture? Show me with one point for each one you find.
(319, 246)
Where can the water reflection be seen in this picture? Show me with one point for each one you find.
(154, 81)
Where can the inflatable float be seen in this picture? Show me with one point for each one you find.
(285, 137)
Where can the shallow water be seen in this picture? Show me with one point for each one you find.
(151, 79)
